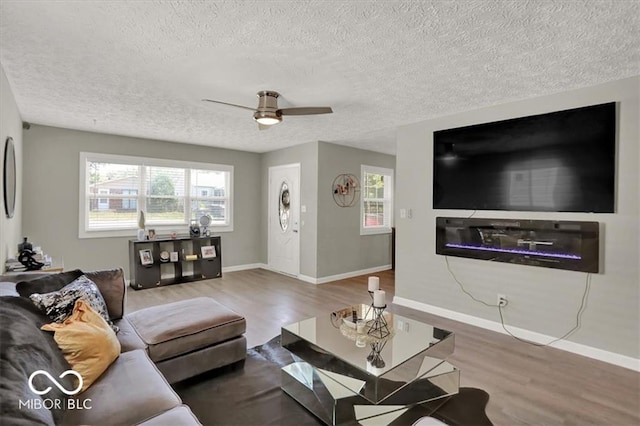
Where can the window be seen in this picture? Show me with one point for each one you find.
(115, 188)
(130, 203)
(377, 200)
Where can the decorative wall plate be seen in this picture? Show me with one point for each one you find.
(346, 190)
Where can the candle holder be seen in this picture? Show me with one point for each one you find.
(374, 356)
(366, 314)
(379, 328)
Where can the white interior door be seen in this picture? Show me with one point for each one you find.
(284, 217)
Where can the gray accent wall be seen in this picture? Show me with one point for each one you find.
(330, 240)
(307, 156)
(10, 125)
(341, 248)
(541, 300)
(51, 199)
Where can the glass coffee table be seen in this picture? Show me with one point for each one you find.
(347, 370)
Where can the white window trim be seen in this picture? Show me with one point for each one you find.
(374, 230)
(83, 222)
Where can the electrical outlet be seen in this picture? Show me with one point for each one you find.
(402, 325)
(502, 300)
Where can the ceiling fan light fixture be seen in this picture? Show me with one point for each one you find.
(268, 114)
(267, 118)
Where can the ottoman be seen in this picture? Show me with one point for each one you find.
(190, 337)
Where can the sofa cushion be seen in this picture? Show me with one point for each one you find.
(177, 328)
(46, 283)
(131, 391)
(59, 304)
(109, 281)
(180, 415)
(24, 349)
(87, 342)
(129, 339)
(113, 288)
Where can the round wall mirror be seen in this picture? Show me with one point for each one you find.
(9, 178)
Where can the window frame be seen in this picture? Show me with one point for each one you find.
(387, 200)
(179, 228)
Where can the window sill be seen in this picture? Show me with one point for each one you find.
(161, 232)
(375, 231)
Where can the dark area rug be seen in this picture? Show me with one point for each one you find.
(250, 395)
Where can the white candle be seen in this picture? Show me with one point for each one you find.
(379, 298)
(374, 283)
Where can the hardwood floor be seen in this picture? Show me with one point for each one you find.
(528, 385)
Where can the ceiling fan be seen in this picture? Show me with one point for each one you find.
(267, 113)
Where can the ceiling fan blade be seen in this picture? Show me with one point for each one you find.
(263, 127)
(305, 111)
(226, 103)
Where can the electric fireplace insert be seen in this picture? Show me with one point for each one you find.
(572, 245)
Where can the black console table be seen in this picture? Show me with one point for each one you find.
(158, 262)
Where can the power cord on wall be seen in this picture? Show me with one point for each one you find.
(492, 305)
(583, 305)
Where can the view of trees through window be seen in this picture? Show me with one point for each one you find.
(168, 195)
(377, 199)
(374, 200)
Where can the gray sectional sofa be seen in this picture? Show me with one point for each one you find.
(133, 390)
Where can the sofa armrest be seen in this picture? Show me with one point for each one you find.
(8, 288)
(111, 284)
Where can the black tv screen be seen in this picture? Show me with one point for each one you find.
(561, 161)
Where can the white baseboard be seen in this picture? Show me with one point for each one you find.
(343, 276)
(307, 279)
(322, 280)
(577, 348)
(235, 268)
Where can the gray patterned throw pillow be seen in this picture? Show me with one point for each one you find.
(58, 305)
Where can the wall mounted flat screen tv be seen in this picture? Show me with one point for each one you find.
(561, 161)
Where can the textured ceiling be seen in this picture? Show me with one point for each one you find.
(140, 68)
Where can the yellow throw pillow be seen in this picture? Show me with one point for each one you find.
(88, 343)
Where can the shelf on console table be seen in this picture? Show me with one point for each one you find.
(180, 270)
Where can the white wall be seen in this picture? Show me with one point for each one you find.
(51, 199)
(10, 125)
(541, 300)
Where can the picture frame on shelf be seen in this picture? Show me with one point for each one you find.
(208, 252)
(146, 257)
(151, 234)
(173, 256)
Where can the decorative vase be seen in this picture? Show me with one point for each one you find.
(25, 245)
(142, 235)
